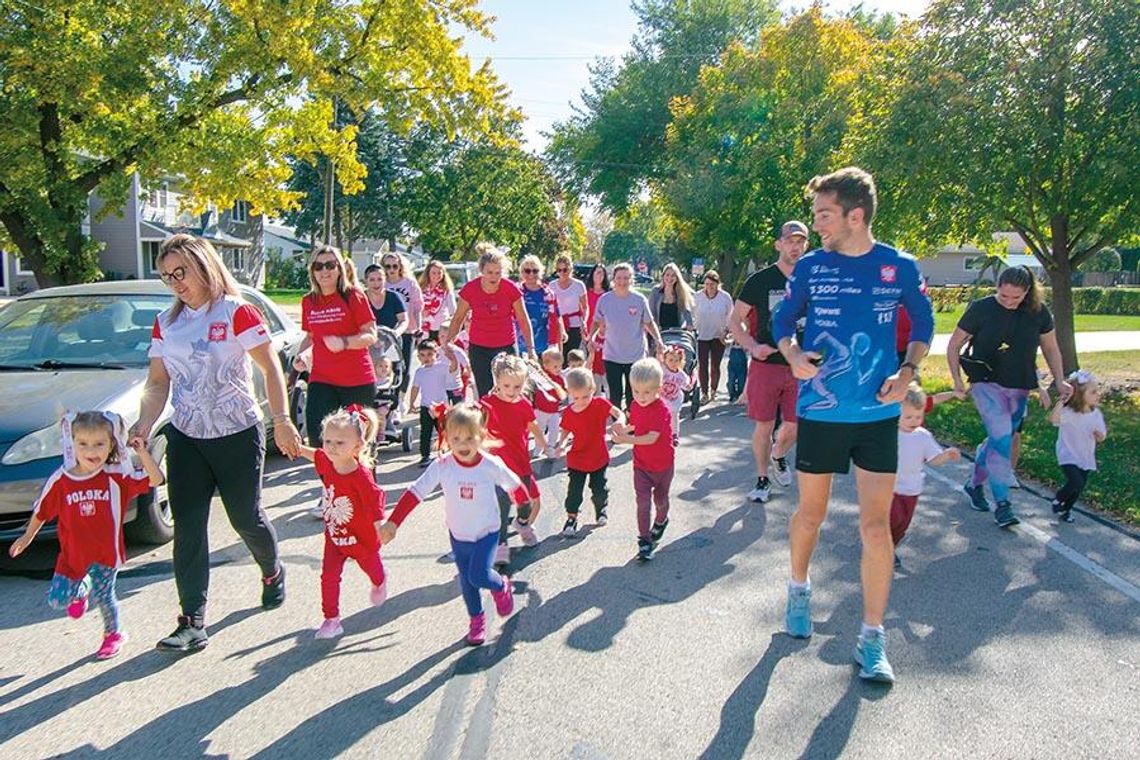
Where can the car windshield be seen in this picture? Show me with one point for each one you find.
(78, 331)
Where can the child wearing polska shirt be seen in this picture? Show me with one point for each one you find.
(674, 384)
(917, 448)
(1080, 427)
(585, 422)
(89, 496)
(650, 431)
(352, 508)
(469, 478)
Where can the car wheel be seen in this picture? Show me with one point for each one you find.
(153, 523)
(406, 438)
(298, 395)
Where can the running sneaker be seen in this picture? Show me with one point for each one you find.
(602, 518)
(1004, 516)
(871, 656)
(329, 629)
(1066, 516)
(644, 549)
(477, 630)
(977, 496)
(185, 638)
(797, 615)
(77, 607)
(657, 531)
(112, 643)
(504, 600)
(762, 492)
(379, 594)
(526, 533)
(273, 590)
(780, 471)
(502, 555)
(424, 462)
(570, 528)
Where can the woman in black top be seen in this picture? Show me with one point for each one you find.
(1004, 331)
(387, 305)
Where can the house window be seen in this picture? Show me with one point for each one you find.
(236, 257)
(150, 254)
(241, 211)
(974, 263)
(21, 269)
(157, 197)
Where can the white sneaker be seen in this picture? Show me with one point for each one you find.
(318, 510)
(762, 492)
(379, 594)
(526, 533)
(502, 555)
(329, 629)
(780, 471)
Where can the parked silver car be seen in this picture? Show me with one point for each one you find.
(84, 347)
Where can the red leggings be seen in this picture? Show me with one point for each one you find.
(902, 510)
(331, 568)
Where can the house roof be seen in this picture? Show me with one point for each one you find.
(212, 233)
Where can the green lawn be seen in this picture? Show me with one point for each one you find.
(1115, 486)
(946, 321)
(286, 297)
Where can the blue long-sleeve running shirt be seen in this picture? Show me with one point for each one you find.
(850, 304)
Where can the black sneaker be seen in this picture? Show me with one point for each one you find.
(1004, 516)
(602, 517)
(977, 496)
(570, 527)
(644, 549)
(762, 492)
(657, 531)
(186, 637)
(273, 590)
(1066, 516)
(1058, 508)
(425, 462)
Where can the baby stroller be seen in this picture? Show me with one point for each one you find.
(387, 346)
(685, 340)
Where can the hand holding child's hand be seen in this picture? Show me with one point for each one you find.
(18, 546)
(387, 533)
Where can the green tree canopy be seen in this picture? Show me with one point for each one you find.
(219, 93)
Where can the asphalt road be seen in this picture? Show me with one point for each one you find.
(1004, 646)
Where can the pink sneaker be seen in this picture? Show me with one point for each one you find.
(112, 643)
(379, 594)
(77, 607)
(477, 631)
(330, 629)
(504, 600)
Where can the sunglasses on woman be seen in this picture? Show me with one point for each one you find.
(325, 265)
(530, 270)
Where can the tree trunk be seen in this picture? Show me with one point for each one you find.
(1061, 278)
(73, 266)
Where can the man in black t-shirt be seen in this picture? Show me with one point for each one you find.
(771, 385)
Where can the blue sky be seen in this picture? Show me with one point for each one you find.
(543, 48)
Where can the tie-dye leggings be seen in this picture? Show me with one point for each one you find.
(98, 587)
(1001, 410)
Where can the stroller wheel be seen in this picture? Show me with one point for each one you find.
(406, 438)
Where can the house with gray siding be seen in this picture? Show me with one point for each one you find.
(960, 265)
(131, 238)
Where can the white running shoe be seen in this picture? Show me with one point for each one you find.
(329, 629)
(762, 492)
(526, 533)
(780, 471)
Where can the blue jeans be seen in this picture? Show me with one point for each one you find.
(737, 372)
(1001, 410)
(98, 587)
(475, 561)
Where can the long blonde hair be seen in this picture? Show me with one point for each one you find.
(405, 265)
(445, 282)
(345, 280)
(681, 291)
(200, 257)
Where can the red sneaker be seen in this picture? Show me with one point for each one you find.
(77, 607)
(477, 631)
(504, 600)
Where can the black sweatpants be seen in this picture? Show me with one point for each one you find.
(617, 379)
(322, 399)
(599, 490)
(1075, 481)
(406, 341)
(481, 357)
(197, 467)
(427, 427)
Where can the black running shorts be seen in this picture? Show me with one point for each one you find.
(830, 447)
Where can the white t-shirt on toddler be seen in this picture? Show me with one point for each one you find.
(916, 448)
(1075, 442)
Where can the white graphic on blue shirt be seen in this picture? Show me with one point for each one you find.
(843, 370)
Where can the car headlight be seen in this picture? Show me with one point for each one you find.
(38, 445)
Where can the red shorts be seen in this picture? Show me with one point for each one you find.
(771, 386)
(902, 511)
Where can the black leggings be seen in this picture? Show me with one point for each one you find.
(481, 357)
(599, 490)
(323, 399)
(573, 341)
(406, 341)
(197, 467)
(617, 380)
(427, 427)
(1075, 481)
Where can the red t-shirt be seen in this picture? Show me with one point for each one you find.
(655, 457)
(330, 315)
(492, 314)
(508, 424)
(351, 504)
(588, 450)
(547, 401)
(90, 512)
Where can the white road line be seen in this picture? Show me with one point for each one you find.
(1066, 551)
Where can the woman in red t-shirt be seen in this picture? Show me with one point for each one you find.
(495, 304)
(340, 327)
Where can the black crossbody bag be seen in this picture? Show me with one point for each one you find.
(978, 368)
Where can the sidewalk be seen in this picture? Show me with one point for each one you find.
(1087, 342)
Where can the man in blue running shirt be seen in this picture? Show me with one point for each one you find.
(849, 291)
